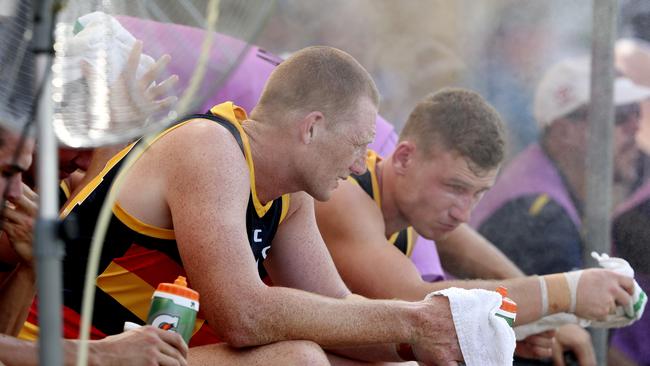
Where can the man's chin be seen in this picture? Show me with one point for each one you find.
(321, 196)
(436, 234)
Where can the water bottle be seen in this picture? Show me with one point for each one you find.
(508, 308)
(174, 307)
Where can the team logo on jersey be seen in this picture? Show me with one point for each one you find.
(256, 235)
(166, 322)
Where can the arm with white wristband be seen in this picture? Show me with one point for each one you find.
(605, 298)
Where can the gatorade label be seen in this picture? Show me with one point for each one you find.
(508, 308)
(173, 313)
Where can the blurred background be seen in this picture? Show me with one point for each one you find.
(498, 47)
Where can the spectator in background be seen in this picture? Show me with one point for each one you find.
(631, 225)
(533, 213)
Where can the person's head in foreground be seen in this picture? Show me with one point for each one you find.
(329, 101)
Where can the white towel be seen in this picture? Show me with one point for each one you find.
(484, 338)
(104, 43)
(549, 322)
(624, 315)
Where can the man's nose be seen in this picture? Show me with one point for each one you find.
(462, 210)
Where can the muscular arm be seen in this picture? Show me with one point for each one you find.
(466, 253)
(210, 231)
(299, 259)
(16, 295)
(353, 229)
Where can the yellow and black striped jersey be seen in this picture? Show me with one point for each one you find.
(136, 256)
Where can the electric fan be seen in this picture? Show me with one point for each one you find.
(104, 88)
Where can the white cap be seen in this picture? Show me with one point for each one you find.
(565, 87)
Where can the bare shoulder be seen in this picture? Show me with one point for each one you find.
(200, 139)
(299, 202)
(349, 206)
(198, 162)
(202, 149)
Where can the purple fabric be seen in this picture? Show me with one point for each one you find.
(245, 83)
(634, 341)
(531, 172)
(426, 259)
(640, 195)
(244, 87)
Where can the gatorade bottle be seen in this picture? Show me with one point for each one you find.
(174, 307)
(508, 309)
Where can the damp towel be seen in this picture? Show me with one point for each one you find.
(104, 43)
(624, 315)
(485, 339)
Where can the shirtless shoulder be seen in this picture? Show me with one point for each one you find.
(198, 151)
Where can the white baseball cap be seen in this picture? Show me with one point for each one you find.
(565, 88)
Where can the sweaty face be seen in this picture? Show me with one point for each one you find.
(342, 149)
(11, 178)
(439, 192)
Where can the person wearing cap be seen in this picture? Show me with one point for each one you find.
(631, 219)
(534, 211)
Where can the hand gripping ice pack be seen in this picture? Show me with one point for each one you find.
(625, 315)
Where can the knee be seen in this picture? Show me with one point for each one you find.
(306, 353)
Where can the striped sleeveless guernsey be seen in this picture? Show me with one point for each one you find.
(136, 256)
(404, 239)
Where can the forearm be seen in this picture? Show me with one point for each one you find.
(380, 352)
(14, 351)
(525, 291)
(376, 353)
(289, 314)
(16, 296)
(468, 254)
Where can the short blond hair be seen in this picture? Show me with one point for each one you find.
(458, 120)
(317, 78)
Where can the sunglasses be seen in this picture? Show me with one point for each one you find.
(622, 114)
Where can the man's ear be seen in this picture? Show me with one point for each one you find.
(310, 125)
(403, 156)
